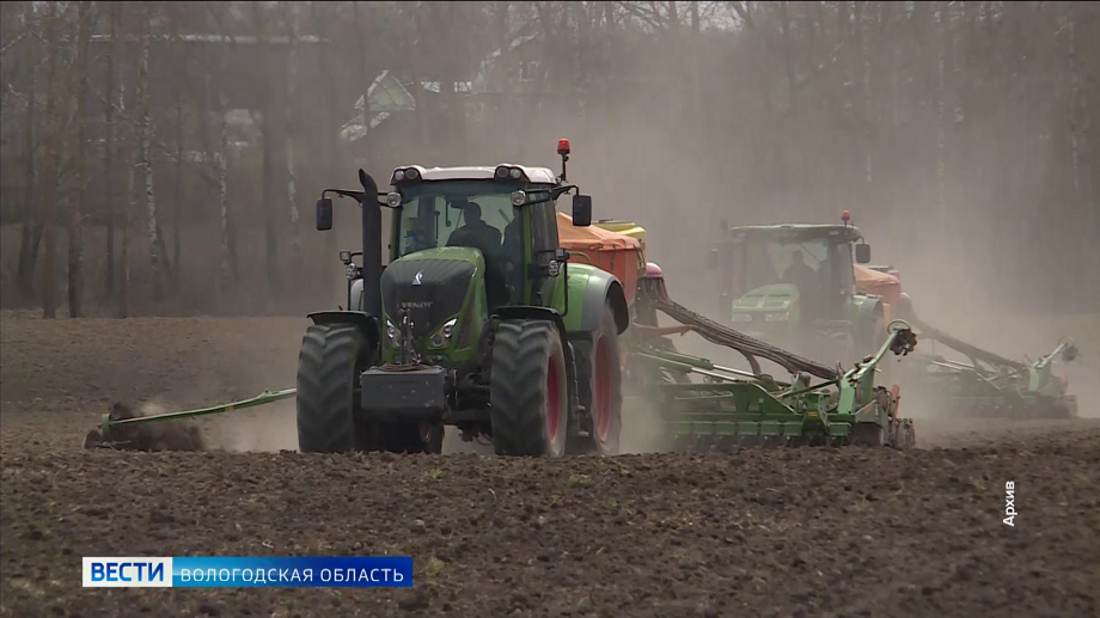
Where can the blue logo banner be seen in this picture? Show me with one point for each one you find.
(292, 571)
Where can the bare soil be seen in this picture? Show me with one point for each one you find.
(798, 532)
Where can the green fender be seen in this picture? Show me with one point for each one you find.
(589, 289)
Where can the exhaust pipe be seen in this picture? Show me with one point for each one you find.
(372, 246)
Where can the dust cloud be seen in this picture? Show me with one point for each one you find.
(642, 430)
(685, 124)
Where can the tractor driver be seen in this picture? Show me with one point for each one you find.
(475, 233)
(481, 236)
(801, 275)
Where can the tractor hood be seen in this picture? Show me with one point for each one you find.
(767, 306)
(431, 285)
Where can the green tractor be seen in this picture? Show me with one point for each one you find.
(794, 286)
(479, 321)
(705, 406)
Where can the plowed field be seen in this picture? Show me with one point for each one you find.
(807, 532)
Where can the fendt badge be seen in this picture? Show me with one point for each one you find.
(417, 278)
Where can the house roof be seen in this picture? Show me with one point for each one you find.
(385, 95)
(480, 84)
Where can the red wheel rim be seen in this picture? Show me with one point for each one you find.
(552, 400)
(602, 396)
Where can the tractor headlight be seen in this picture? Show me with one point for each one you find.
(412, 173)
(742, 317)
(393, 199)
(443, 336)
(399, 175)
(516, 173)
(777, 317)
(352, 271)
(393, 334)
(519, 198)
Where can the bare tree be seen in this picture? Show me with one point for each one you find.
(325, 58)
(942, 51)
(1074, 95)
(127, 233)
(267, 139)
(290, 121)
(177, 185)
(413, 43)
(228, 266)
(109, 144)
(130, 165)
(145, 120)
(52, 155)
(31, 233)
(80, 91)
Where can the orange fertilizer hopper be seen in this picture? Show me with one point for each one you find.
(618, 254)
(871, 281)
(874, 282)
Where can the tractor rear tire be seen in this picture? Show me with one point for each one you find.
(328, 367)
(528, 390)
(606, 406)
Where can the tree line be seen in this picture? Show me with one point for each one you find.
(163, 157)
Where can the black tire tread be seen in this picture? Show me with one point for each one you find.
(326, 377)
(517, 391)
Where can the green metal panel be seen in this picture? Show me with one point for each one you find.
(584, 281)
(470, 318)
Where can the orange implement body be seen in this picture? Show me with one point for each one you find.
(618, 254)
(874, 282)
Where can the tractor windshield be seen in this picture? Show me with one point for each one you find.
(803, 263)
(467, 213)
(456, 213)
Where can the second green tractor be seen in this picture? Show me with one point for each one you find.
(793, 285)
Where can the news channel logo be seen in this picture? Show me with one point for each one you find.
(248, 571)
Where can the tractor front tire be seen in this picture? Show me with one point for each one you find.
(328, 368)
(606, 406)
(528, 390)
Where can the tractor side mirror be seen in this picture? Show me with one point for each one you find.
(324, 214)
(712, 259)
(863, 253)
(582, 210)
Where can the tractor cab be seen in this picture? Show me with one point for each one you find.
(466, 241)
(782, 282)
(468, 211)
